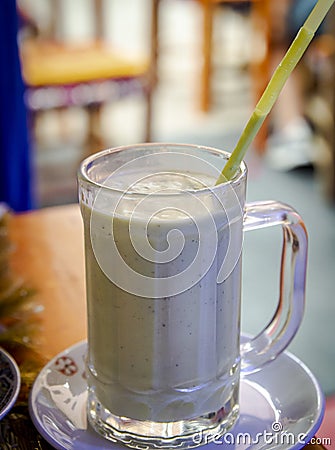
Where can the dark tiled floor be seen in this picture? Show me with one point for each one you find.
(313, 343)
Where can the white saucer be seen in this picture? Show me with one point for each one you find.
(10, 382)
(282, 404)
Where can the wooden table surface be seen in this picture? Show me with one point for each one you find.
(49, 255)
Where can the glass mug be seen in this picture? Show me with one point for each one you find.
(163, 277)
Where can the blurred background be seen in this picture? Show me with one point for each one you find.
(93, 68)
(102, 73)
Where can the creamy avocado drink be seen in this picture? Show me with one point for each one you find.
(163, 344)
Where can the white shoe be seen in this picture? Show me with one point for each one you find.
(292, 147)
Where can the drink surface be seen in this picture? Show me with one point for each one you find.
(162, 357)
(148, 182)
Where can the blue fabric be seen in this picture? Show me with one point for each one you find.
(297, 14)
(15, 172)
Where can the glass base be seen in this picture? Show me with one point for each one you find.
(144, 434)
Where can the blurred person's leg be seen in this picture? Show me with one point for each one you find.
(291, 144)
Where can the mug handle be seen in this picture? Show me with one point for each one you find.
(276, 336)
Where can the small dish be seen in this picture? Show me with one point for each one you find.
(10, 382)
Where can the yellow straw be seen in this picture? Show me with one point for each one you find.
(272, 91)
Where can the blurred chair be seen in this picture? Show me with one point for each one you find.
(259, 69)
(59, 75)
